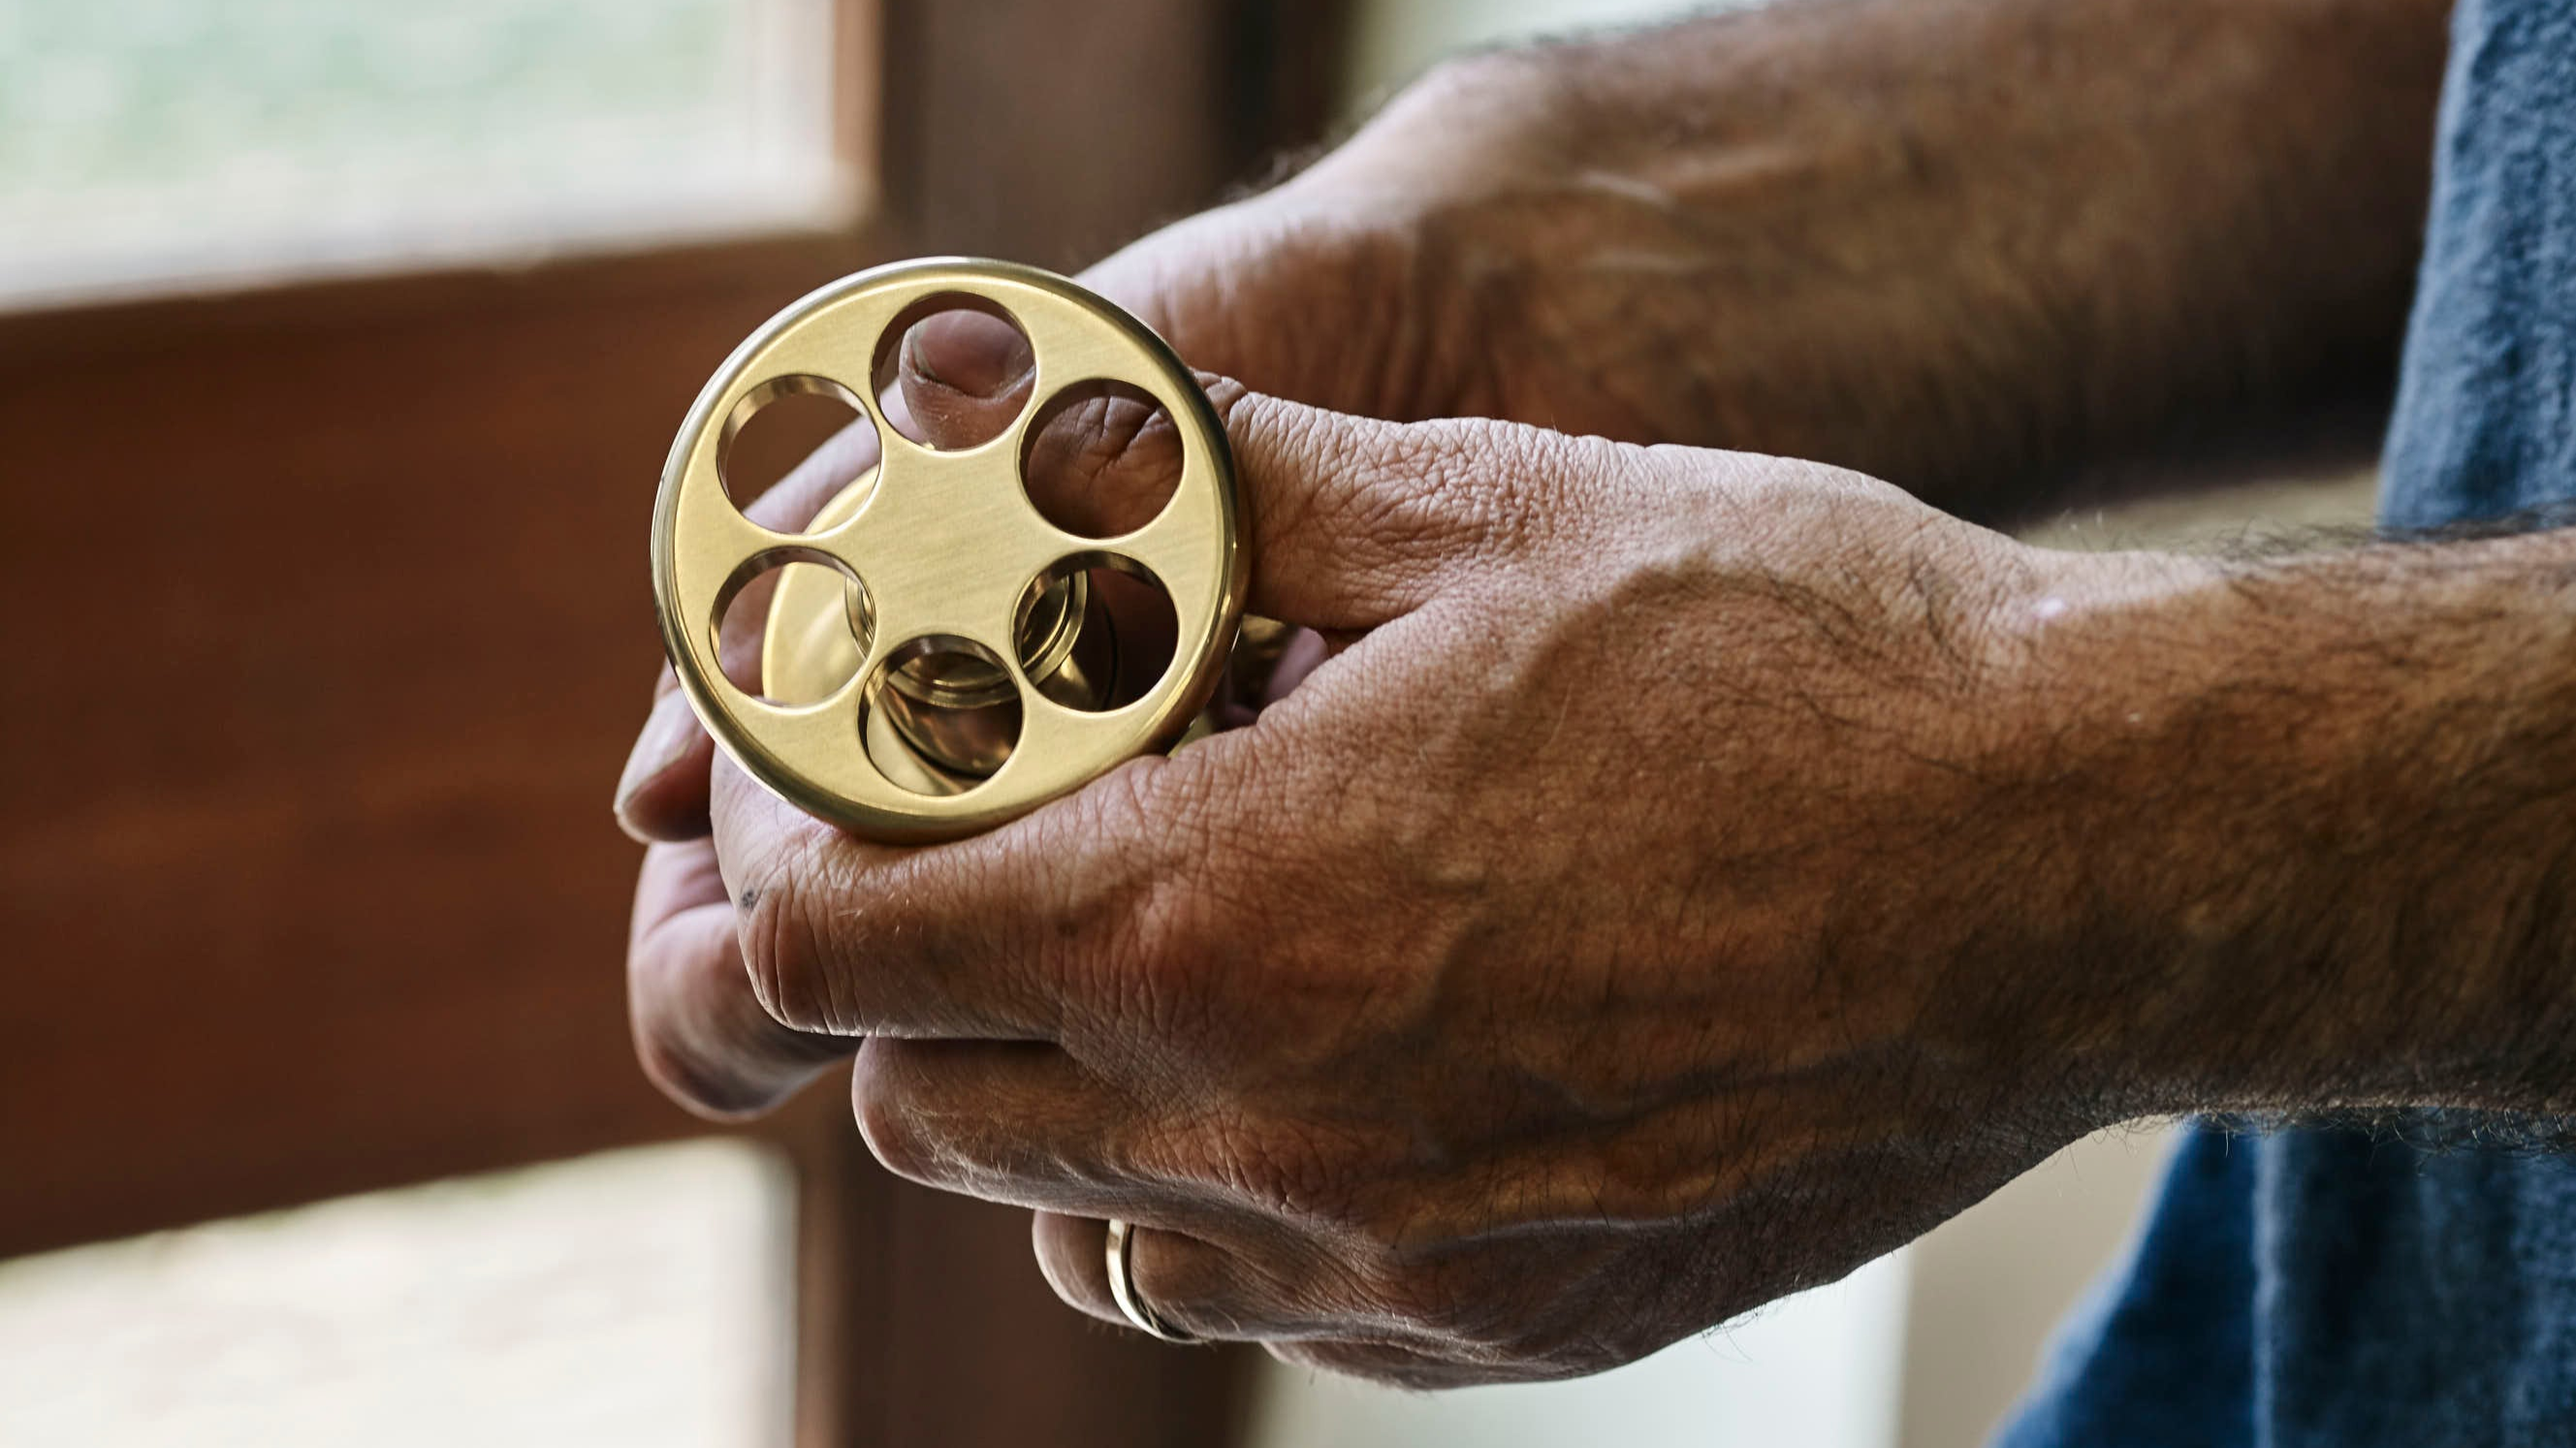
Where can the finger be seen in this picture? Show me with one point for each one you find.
(1018, 1122)
(1025, 1124)
(1204, 1289)
(1101, 911)
(1114, 921)
(1100, 463)
(844, 937)
(1213, 1291)
(964, 376)
(1097, 921)
(1352, 522)
(699, 1032)
(662, 792)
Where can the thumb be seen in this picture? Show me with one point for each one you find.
(963, 375)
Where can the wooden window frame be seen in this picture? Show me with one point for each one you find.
(328, 626)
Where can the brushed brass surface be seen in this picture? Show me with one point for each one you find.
(941, 716)
(915, 596)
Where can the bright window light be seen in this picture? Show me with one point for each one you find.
(159, 145)
(642, 1298)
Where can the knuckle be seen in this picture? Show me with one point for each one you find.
(1484, 1310)
(1404, 1268)
(1224, 394)
(1499, 84)
(1396, 516)
(1287, 1168)
(1526, 492)
(1160, 927)
(1470, 486)
(791, 972)
(895, 1133)
(1169, 941)
(1228, 1292)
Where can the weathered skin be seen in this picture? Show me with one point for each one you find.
(1679, 874)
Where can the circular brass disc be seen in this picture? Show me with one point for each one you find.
(945, 545)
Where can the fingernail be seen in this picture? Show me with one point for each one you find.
(978, 355)
(668, 732)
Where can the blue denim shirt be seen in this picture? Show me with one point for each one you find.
(2332, 1287)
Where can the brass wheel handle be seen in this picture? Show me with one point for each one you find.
(946, 548)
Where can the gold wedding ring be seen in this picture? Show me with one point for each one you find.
(931, 598)
(1122, 1287)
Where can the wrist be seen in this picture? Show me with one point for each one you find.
(2322, 855)
(2063, 940)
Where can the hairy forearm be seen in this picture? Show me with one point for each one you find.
(1966, 245)
(2332, 827)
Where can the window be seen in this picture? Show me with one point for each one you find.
(168, 143)
(637, 1297)
(366, 327)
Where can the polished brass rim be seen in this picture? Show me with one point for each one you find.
(945, 545)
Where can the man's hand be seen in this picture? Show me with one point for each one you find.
(1692, 880)
(1594, 949)
(1702, 873)
(1924, 238)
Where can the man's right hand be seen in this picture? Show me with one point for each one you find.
(1953, 243)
